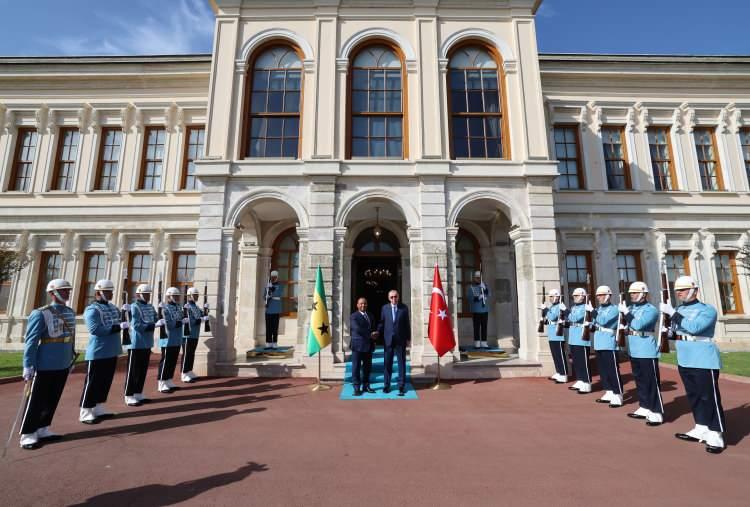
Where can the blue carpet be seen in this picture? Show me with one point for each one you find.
(377, 376)
(474, 349)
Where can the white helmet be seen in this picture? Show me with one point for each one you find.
(104, 285)
(580, 291)
(173, 291)
(685, 282)
(603, 290)
(144, 288)
(192, 291)
(58, 284)
(638, 287)
(554, 293)
(275, 273)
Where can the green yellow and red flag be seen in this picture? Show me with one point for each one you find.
(319, 335)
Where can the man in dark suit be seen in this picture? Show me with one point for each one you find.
(362, 328)
(396, 331)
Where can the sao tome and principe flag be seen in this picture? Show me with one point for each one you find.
(440, 329)
(319, 336)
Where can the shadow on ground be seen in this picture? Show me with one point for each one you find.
(163, 494)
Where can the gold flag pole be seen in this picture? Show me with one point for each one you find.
(440, 386)
(320, 386)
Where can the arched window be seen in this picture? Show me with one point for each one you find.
(275, 87)
(377, 104)
(475, 103)
(468, 260)
(285, 260)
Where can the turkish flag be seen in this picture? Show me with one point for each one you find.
(440, 329)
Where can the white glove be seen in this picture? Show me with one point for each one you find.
(161, 305)
(664, 329)
(160, 323)
(124, 325)
(589, 308)
(586, 324)
(623, 308)
(186, 321)
(28, 373)
(126, 307)
(666, 308)
(205, 307)
(542, 307)
(563, 307)
(623, 326)
(204, 318)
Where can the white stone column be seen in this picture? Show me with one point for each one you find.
(528, 297)
(451, 286)
(340, 322)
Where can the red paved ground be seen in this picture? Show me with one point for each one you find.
(273, 442)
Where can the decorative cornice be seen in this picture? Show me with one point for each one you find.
(730, 119)
(637, 120)
(110, 245)
(591, 117)
(174, 117)
(683, 119)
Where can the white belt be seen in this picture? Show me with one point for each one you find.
(691, 338)
(552, 321)
(575, 325)
(642, 333)
(605, 330)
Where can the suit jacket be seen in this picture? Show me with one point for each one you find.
(360, 330)
(396, 332)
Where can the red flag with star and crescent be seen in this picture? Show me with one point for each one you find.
(440, 329)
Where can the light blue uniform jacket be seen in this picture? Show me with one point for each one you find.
(575, 317)
(643, 317)
(274, 293)
(699, 320)
(142, 320)
(173, 317)
(474, 297)
(552, 314)
(195, 314)
(103, 323)
(46, 325)
(605, 316)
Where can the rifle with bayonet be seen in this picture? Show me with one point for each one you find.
(621, 327)
(586, 333)
(124, 314)
(665, 321)
(540, 327)
(185, 314)
(207, 327)
(162, 329)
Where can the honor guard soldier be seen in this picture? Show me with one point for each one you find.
(605, 318)
(699, 363)
(579, 348)
(273, 293)
(170, 346)
(103, 322)
(642, 318)
(478, 296)
(189, 343)
(142, 324)
(552, 313)
(48, 355)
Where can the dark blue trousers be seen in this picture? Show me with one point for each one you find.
(558, 356)
(400, 352)
(361, 365)
(647, 378)
(580, 355)
(609, 370)
(702, 388)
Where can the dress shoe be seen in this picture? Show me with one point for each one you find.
(636, 416)
(573, 388)
(46, 435)
(601, 400)
(370, 390)
(386, 390)
(653, 423)
(357, 392)
(401, 392)
(581, 391)
(686, 437)
(714, 449)
(37, 445)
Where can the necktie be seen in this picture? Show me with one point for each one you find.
(393, 312)
(365, 316)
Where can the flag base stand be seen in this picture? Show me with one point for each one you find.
(440, 386)
(320, 386)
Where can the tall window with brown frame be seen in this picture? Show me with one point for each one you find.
(678, 265)
(729, 287)
(629, 269)
(65, 160)
(578, 268)
(285, 260)
(745, 144)
(568, 154)
(183, 270)
(152, 160)
(616, 158)
(23, 160)
(709, 167)
(108, 165)
(195, 138)
(377, 104)
(139, 271)
(275, 93)
(50, 268)
(662, 160)
(476, 103)
(468, 260)
(94, 269)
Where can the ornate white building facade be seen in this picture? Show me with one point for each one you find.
(315, 124)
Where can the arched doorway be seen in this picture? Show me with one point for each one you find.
(376, 268)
